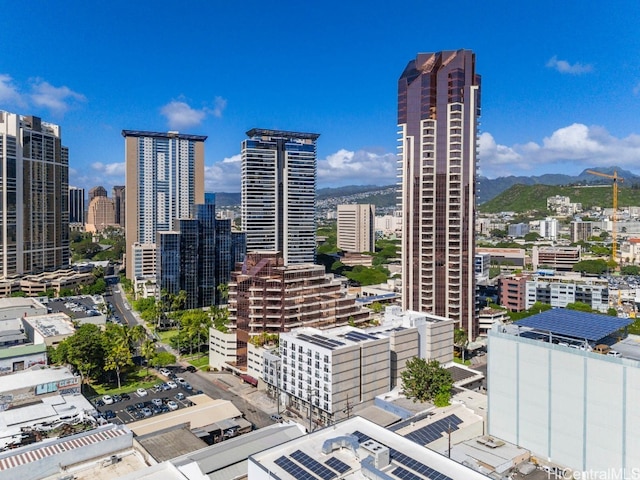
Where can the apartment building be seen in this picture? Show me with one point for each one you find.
(438, 111)
(332, 370)
(356, 224)
(265, 295)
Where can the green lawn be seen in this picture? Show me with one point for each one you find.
(167, 335)
(132, 381)
(199, 362)
(459, 360)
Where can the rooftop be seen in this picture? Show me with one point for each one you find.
(263, 132)
(355, 449)
(181, 136)
(573, 323)
(32, 378)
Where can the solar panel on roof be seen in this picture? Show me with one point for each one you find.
(313, 465)
(338, 465)
(293, 469)
(413, 464)
(572, 323)
(434, 431)
(359, 336)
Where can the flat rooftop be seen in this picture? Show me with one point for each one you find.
(347, 450)
(32, 378)
(573, 323)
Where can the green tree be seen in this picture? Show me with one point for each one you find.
(579, 306)
(162, 359)
(377, 307)
(219, 318)
(118, 357)
(148, 351)
(424, 380)
(591, 267)
(461, 340)
(223, 292)
(630, 270)
(84, 350)
(531, 237)
(612, 312)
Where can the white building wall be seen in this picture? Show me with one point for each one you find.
(222, 348)
(577, 409)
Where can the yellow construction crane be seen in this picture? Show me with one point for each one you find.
(614, 232)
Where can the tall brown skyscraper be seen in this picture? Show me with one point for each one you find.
(438, 110)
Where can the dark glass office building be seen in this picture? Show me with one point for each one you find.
(198, 255)
(438, 110)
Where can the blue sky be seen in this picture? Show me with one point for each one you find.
(560, 79)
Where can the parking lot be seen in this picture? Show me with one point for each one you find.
(145, 403)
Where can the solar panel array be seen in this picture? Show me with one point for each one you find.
(434, 431)
(313, 465)
(359, 336)
(423, 470)
(573, 323)
(338, 465)
(321, 341)
(293, 469)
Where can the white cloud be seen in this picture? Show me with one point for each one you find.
(563, 66)
(567, 150)
(361, 167)
(223, 176)
(219, 105)
(109, 169)
(56, 99)
(9, 93)
(181, 115)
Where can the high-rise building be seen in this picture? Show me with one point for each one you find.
(356, 231)
(164, 180)
(34, 196)
(100, 214)
(278, 193)
(198, 256)
(120, 205)
(98, 191)
(438, 110)
(76, 205)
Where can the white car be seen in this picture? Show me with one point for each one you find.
(107, 399)
(181, 380)
(172, 405)
(172, 384)
(142, 392)
(165, 372)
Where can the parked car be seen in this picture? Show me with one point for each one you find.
(191, 369)
(180, 396)
(131, 408)
(107, 399)
(602, 349)
(187, 386)
(142, 392)
(126, 396)
(172, 405)
(146, 412)
(172, 384)
(613, 353)
(180, 381)
(276, 417)
(117, 398)
(157, 401)
(99, 403)
(109, 414)
(165, 372)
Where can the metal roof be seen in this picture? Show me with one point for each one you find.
(573, 323)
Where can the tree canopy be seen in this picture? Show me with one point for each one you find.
(427, 381)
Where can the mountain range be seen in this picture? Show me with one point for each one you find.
(487, 188)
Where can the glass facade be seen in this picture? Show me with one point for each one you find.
(278, 193)
(200, 256)
(438, 110)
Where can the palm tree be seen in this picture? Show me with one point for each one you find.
(460, 340)
(148, 351)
